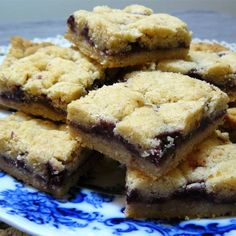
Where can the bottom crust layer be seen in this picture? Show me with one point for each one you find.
(34, 179)
(126, 59)
(35, 109)
(117, 151)
(183, 209)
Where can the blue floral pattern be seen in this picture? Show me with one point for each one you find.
(43, 209)
(94, 198)
(85, 209)
(97, 199)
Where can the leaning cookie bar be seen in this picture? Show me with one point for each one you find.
(151, 121)
(134, 35)
(41, 79)
(41, 153)
(205, 63)
(202, 186)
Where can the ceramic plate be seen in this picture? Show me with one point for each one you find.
(88, 212)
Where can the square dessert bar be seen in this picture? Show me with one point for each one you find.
(134, 35)
(41, 79)
(151, 121)
(41, 153)
(204, 185)
(209, 63)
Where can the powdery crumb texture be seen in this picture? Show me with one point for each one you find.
(149, 104)
(230, 46)
(208, 47)
(41, 69)
(210, 168)
(24, 137)
(203, 61)
(21, 48)
(113, 30)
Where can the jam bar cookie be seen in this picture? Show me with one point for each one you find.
(208, 47)
(21, 48)
(41, 79)
(151, 121)
(202, 186)
(134, 35)
(218, 68)
(41, 153)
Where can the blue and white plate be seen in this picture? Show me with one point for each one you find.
(86, 212)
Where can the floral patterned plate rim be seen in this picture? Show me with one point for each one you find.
(88, 212)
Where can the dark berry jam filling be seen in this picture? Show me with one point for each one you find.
(19, 96)
(228, 84)
(168, 142)
(192, 191)
(132, 46)
(194, 73)
(49, 176)
(71, 23)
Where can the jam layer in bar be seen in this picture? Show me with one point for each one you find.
(202, 186)
(41, 153)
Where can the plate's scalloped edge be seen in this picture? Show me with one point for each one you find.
(22, 205)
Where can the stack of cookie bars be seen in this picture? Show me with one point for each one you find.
(133, 88)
